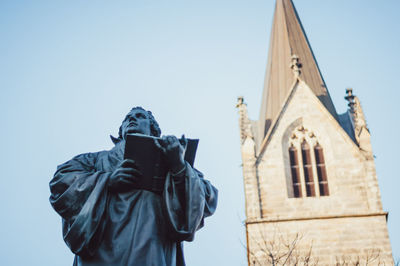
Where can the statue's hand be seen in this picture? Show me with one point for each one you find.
(124, 176)
(174, 152)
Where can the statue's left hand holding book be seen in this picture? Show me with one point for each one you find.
(145, 151)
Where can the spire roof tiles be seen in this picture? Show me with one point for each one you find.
(288, 41)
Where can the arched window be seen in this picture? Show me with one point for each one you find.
(307, 167)
(308, 174)
(294, 168)
(321, 170)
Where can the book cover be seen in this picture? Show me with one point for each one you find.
(150, 159)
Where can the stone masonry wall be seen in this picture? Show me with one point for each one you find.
(349, 187)
(332, 240)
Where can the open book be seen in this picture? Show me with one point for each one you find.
(150, 159)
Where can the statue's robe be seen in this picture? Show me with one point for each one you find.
(134, 227)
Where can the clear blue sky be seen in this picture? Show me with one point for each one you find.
(71, 70)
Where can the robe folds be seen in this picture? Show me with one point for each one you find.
(133, 227)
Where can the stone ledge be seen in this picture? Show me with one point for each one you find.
(276, 220)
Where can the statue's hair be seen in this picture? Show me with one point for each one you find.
(154, 127)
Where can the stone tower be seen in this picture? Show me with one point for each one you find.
(309, 174)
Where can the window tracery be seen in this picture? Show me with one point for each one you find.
(295, 171)
(305, 150)
(307, 168)
(321, 170)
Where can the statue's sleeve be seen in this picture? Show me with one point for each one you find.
(79, 195)
(187, 200)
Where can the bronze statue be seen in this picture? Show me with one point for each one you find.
(107, 220)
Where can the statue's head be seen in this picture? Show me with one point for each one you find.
(138, 120)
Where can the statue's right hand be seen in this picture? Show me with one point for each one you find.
(125, 176)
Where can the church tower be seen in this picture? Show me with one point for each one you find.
(310, 183)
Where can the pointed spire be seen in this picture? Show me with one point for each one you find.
(290, 58)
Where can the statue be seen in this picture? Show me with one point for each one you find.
(106, 220)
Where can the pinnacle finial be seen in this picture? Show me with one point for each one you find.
(240, 101)
(295, 65)
(350, 98)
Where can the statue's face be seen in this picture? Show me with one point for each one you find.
(137, 121)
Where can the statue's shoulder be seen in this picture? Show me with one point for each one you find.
(89, 157)
(200, 174)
